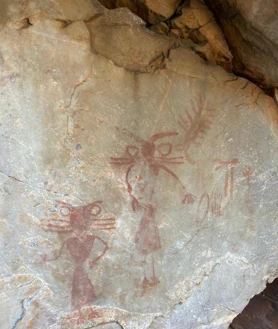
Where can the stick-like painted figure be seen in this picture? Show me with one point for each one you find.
(229, 177)
(248, 173)
(80, 221)
(147, 241)
(143, 164)
(216, 206)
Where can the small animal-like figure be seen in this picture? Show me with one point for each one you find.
(80, 221)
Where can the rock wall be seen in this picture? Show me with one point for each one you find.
(261, 311)
(251, 30)
(138, 183)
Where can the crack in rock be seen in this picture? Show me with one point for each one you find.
(84, 80)
(21, 316)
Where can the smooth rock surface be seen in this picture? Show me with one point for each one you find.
(131, 197)
(131, 45)
(15, 10)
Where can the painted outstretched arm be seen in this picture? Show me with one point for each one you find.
(92, 263)
(45, 259)
(188, 198)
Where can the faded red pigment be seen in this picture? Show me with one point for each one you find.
(80, 221)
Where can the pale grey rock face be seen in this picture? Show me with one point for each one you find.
(129, 199)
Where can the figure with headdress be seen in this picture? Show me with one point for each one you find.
(80, 221)
(144, 162)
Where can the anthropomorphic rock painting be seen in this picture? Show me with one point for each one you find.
(142, 164)
(216, 205)
(153, 156)
(248, 173)
(228, 166)
(80, 222)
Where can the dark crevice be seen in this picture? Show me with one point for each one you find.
(270, 298)
(261, 312)
(91, 19)
(184, 36)
(67, 23)
(193, 35)
(19, 319)
(105, 323)
(25, 24)
(249, 45)
(137, 7)
(182, 3)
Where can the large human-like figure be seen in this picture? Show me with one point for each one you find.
(143, 165)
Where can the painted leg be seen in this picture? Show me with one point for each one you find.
(81, 318)
(150, 279)
(155, 280)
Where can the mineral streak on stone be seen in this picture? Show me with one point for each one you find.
(170, 197)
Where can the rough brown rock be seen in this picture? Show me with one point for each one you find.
(197, 23)
(131, 45)
(15, 10)
(192, 25)
(151, 11)
(251, 29)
